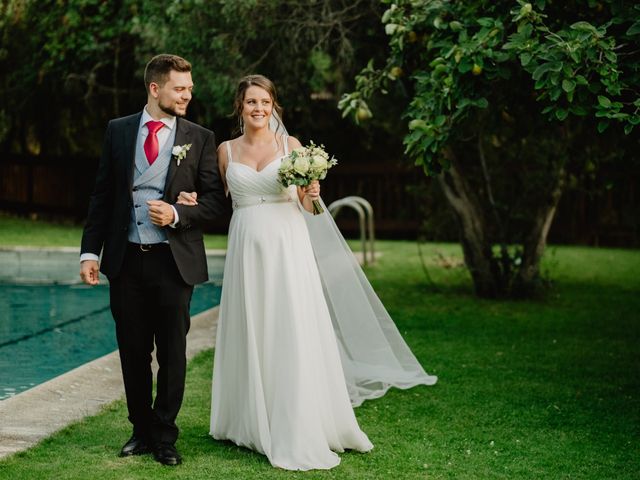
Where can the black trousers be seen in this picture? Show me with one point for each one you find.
(150, 303)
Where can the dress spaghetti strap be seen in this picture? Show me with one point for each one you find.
(230, 159)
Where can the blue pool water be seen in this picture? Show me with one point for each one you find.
(47, 330)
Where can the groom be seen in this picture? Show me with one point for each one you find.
(152, 249)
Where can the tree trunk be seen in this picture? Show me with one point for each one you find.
(473, 229)
(489, 279)
(535, 242)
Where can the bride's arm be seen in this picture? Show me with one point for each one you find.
(223, 161)
(191, 198)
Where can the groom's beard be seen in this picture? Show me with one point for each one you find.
(171, 111)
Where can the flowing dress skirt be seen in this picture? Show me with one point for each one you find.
(278, 384)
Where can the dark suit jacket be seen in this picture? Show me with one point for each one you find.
(111, 201)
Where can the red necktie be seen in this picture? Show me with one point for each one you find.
(151, 142)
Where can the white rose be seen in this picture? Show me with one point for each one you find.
(286, 164)
(175, 151)
(300, 151)
(319, 163)
(301, 165)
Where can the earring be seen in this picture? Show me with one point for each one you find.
(241, 125)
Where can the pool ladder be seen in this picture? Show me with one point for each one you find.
(365, 217)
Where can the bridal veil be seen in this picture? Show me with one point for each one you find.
(374, 355)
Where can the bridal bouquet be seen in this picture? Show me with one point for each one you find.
(304, 165)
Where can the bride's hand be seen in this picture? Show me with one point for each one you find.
(312, 190)
(188, 198)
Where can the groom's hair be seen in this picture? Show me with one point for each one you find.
(158, 68)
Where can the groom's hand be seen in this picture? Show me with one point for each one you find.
(89, 272)
(160, 213)
(188, 198)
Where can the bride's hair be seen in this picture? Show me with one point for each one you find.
(257, 81)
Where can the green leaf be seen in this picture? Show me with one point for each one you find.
(486, 22)
(417, 123)
(581, 80)
(525, 58)
(390, 28)
(465, 65)
(386, 15)
(584, 27)
(554, 93)
(602, 125)
(568, 85)
(561, 114)
(436, 61)
(578, 110)
(546, 67)
(482, 103)
(427, 142)
(634, 29)
(619, 115)
(604, 101)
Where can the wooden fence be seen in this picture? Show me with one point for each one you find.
(61, 186)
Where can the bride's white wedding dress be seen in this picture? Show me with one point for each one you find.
(278, 385)
(301, 335)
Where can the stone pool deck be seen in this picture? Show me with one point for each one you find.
(33, 415)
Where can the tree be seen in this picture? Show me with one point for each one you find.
(66, 66)
(308, 48)
(505, 100)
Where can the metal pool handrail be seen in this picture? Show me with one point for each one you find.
(365, 215)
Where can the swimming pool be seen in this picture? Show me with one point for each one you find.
(47, 330)
(50, 324)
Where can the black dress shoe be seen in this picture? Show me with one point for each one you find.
(167, 454)
(135, 446)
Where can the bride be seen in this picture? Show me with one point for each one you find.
(302, 336)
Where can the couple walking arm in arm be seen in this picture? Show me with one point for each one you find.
(292, 358)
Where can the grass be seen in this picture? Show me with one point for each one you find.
(542, 389)
(16, 231)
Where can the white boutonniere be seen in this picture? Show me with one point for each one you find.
(180, 151)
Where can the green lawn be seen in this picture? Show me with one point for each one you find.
(543, 389)
(36, 233)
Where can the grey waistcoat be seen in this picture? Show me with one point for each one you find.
(148, 184)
